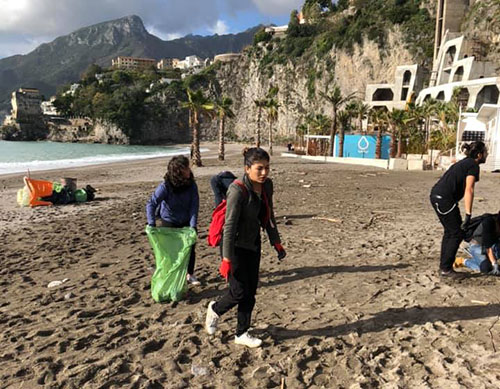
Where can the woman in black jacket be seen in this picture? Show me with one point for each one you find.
(457, 183)
(249, 207)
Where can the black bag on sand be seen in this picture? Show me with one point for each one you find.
(474, 223)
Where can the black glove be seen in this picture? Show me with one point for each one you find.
(466, 222)
(495, 271)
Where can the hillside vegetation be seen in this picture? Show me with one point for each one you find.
(342, 27)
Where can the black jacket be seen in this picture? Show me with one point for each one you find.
(245, 214)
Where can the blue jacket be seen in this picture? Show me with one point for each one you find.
(179, 208)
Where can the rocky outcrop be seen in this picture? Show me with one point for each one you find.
(24, 131)
(172, 129)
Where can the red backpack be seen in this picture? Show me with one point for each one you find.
(219, 218)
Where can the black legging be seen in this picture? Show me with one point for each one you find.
(243, 282)
(449, 216)
(192, 258)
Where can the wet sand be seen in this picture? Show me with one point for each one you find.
(357, 303)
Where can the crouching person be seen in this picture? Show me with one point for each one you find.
(484, 246)
(249, 207)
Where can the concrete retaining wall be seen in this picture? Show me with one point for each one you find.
(379, 163)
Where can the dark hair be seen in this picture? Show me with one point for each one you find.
(254, 154)
(473, 149)
(174, 174)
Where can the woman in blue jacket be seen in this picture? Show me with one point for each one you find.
(175, 203)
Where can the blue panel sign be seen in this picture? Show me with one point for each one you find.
(363, 146)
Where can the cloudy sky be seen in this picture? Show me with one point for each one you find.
(24, 24)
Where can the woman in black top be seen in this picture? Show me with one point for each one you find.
(249, 208)
(457, 183)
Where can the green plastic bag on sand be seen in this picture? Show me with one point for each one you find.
(172, 248)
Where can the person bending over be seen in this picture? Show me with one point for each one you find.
(176, 203)
(220, 184)
(457, 183)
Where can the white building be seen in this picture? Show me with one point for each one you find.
(484, 126)
(48, 108)
(458, 65)
(407, 83)
(190, 62)
(277, 31)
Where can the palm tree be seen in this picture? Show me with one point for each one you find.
(377, 116)
(415, 129)
(361, 110)
(319, 124)
(344, 118)
(444, 136)
(336, 99)
(272, 106)
(260, 104)
(429, 109)
(223, 111)
(395, 121)
(198, 105)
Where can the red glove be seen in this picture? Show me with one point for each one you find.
(280, 250)
(225, 269)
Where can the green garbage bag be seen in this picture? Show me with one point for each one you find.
(172, 248)
(80, 196)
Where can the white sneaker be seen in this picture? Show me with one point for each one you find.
(192, 280)
(247, 340)
(211, 320)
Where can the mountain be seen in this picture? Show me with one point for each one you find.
(64, 59)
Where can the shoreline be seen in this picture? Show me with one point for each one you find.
(209, 151)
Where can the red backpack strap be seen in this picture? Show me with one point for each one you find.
(243, 187)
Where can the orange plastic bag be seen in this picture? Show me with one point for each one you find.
(38, 189)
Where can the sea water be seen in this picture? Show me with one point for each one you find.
(18, 157)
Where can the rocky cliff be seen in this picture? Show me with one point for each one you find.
(301, 82)
(482, 25)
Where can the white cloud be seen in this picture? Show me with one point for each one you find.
(277, 7)
(220, 28)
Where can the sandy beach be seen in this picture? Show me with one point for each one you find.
(357, 303)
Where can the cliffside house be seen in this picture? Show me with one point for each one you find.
(132, 63)
(26, 104)
(48, 108)
(407, 83)
(166, 63)
(459, 66)
(190, 62)
(277, 31)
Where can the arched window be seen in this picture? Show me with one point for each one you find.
(459, 74)
(440, 96)
(406, 78)
(488, 95)
(450, 56)
(463, 98)
(383, 94)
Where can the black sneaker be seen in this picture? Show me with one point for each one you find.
(451, 274)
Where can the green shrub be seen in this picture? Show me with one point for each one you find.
(261, 36)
